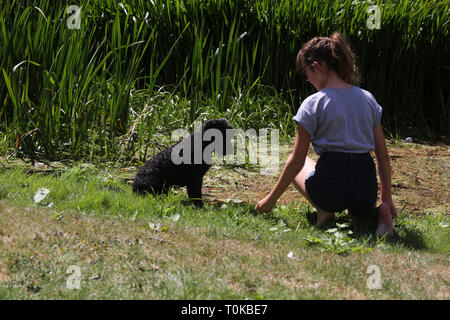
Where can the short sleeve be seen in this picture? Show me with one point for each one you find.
(307, 116)
(377, 113)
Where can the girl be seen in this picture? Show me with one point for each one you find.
(343, 123)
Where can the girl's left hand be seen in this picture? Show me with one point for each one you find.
(265, 205)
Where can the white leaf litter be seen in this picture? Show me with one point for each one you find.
(229, 200)
(409, 140)
(154, 226)
(175, 218)
(40, 195)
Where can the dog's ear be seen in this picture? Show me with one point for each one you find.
(208, 124)
(221, 124)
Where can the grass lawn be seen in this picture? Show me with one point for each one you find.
(90, 227)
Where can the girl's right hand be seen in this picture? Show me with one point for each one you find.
(266, 204)
(391, 205)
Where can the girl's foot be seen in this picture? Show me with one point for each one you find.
(323, 218)
(384, 221)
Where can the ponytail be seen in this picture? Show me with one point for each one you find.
(334, 51)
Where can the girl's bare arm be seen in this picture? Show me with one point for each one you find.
(294, 163)
(384, 169)
(293, 166)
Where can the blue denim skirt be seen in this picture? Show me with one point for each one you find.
(343, 181)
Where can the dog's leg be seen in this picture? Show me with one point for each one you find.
(194, 191)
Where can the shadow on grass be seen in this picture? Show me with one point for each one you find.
(408, 236)
(364, 228)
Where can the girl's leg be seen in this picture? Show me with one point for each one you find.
(299, 183)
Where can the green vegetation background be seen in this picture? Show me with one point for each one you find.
(135, 69)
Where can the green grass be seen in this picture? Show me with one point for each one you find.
(134, 247)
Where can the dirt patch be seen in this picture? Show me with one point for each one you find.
(420, 180)
(3, 275)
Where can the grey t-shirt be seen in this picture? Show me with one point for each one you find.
(340, 120)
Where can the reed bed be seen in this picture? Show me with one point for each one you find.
(137, 68)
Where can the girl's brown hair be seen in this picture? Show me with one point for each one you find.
(334, 51)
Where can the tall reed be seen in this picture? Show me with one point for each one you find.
(73, 92)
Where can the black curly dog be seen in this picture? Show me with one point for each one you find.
(186, 162)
